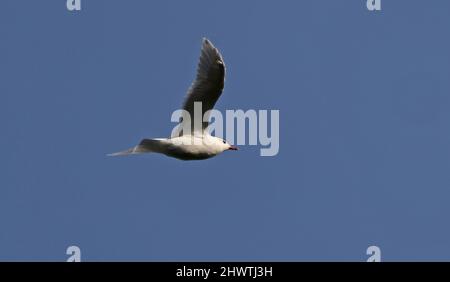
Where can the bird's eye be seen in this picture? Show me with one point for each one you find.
(224, 142)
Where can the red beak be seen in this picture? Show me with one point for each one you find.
(233, 148)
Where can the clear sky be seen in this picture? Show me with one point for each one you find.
(364, 157)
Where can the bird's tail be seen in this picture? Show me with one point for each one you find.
(131, 151)
(145, 146)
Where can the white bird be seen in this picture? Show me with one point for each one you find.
(198, 144)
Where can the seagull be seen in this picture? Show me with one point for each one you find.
(197, 143)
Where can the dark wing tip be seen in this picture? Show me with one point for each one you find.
(212, 53)
(206, 41)
(207, 45)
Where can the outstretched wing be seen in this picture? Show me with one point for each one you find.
(207, 86)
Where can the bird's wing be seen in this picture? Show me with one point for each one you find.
(208, 84)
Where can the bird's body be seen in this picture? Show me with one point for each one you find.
(186, 147)
(197, 143)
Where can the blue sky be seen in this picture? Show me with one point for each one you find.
(364, 131)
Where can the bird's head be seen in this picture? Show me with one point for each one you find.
(224, 145)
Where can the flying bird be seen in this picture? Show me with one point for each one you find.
(197, 143)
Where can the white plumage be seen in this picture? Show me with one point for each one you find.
(198, 144)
